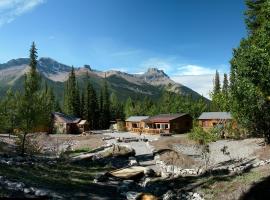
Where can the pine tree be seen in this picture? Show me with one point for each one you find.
(106, 106)
(29, 108)
(91, 106)
(82, 106)
(250, 72)
(72, 95)
(216, 84)
(225, 86)
(129, 106)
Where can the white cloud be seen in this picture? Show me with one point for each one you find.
(202, 84)
(194, 70)
(10, 9)
(163, 64)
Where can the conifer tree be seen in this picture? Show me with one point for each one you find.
(216, 84)
(29, 108)
(225, 86)
(106, 105)
(91, 106)
(72, 95)
(250, 72)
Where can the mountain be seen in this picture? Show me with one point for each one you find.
(151, 83)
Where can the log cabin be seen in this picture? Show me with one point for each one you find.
(135, 123)
(212, 119)
(168, 123)
(65, 124)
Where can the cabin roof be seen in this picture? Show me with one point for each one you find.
(215, 115)
(61, 117)
(83, 122)
(165, 118)
(136, 118)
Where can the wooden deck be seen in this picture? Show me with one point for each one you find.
(149, 131)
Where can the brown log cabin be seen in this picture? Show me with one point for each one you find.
(65, 124)
(136, 123)
(168, 123)
(211, 119)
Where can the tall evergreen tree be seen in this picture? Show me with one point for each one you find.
(29, 108)
(250, 72)
(216, 84)
(106, 105)
(101, 110)
(225, 86)
(72, 95)
(91, 106)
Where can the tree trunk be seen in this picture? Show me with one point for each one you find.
(23, 144)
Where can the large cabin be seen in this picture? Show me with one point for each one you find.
(168, 123)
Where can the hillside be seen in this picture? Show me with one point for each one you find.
(150, 84)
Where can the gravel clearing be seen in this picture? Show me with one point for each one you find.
(238, 149)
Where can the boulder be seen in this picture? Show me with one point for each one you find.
(132, 195)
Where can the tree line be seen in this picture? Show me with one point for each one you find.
(246, 93)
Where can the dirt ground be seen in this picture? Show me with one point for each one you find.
(80, 141)
(168, 142)
(248, 186)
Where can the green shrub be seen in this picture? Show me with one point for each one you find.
(204, 137)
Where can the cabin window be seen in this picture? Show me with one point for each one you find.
(166, 126)
(158, 125)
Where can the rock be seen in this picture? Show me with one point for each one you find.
(148, 172)
(27, 191)
(169, 195)
(165, 174)
(133, 163)
(100, 178)
(41, 193)
(170, 169)
(19, 186)
(132, 195)
(146, 181)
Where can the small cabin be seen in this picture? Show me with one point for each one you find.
(168, 123)
(65, 124)
(212, 119)
(135, 123)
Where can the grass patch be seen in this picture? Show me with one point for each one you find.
(220, 187)
(62, 177)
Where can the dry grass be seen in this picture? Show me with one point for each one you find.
(177, 159)
(263, 153)
(233, 188)
(172, 157)
(168, 142)
(81, 141)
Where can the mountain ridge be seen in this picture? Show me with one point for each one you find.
(152, 82)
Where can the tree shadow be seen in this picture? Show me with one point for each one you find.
(259, 190)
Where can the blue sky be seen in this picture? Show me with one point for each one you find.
(188, 39)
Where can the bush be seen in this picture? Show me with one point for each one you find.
(204, 137)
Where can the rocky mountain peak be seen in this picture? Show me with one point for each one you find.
(155, 72)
